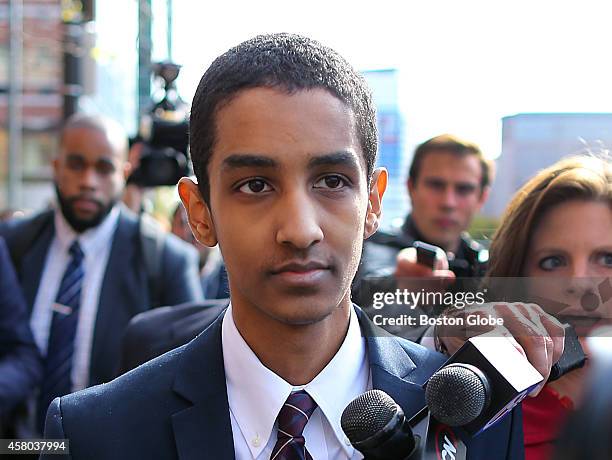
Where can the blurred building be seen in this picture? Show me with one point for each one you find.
(533, 141)
(42, 97)
(384, 85)
(77, 55)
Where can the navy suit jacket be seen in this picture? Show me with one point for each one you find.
(20, 365)
(124, 292)
(175, 406)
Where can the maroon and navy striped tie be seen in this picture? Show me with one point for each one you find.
(292, 419)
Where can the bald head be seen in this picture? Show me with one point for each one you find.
(112, 130)
(90, 169)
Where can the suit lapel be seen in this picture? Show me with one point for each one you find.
(201, 380)
(391, 367)
(33, 263)
(121, 294)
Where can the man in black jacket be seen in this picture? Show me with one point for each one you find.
(449, 181)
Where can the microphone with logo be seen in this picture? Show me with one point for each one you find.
(475, 388)
(487, 377)
(377, 427)
(481, 383)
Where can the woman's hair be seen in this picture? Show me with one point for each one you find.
(583, 177)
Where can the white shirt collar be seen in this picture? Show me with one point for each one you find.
(91, 240)
(256, 394)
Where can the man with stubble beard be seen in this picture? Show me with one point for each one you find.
(82, 267)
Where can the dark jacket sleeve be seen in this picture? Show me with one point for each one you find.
(20, 363)
(181, 275)
(54, 428)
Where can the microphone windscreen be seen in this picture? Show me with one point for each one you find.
(367, 415)
(457, 394)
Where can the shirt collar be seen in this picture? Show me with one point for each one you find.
(91, 240)
(255, 406)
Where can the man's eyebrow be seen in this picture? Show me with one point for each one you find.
(248, 161)
(335, 159)
(466, 184)
(105, 160)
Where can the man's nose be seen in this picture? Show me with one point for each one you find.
(449, 197)
(298, 221)
(89, 179)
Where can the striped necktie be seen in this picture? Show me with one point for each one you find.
(60, 349)
(292, 419)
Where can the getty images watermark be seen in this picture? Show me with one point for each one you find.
(412, 299)
(586, 303)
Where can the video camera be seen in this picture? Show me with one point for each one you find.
(164, 135)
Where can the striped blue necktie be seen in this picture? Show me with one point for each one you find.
(60, 349)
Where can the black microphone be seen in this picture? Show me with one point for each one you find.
(486, 378)
(479, 384)
(377, 427)
(458, 394)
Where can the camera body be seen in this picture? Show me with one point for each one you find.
(164, 135)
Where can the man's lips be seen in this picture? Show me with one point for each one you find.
(299, 267)
(445, 223)
(85, 204)
(300, 273)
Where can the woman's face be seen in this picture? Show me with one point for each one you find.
(569, 263)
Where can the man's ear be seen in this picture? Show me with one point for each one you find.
(127, 170)
(55, 165)
(198, 213)
(410, 184)
(378, 185)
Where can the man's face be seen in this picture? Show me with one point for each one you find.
(445, 196)
(90, 174)
(289, 201)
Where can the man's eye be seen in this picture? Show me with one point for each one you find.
(465, 190)
(105, 168)
(551, 263)
(436, 185)
(605, 259)
(333, 182)
(254, 186)
(76, 164)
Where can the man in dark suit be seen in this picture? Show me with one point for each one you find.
(20, 366)
(283, 140)
(154, 332)
(85, 267)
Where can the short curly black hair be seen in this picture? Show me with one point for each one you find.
(286, 61)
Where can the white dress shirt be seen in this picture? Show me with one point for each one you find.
(256, 396)
(95, 244)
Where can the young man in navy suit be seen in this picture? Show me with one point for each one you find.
(283, 140)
